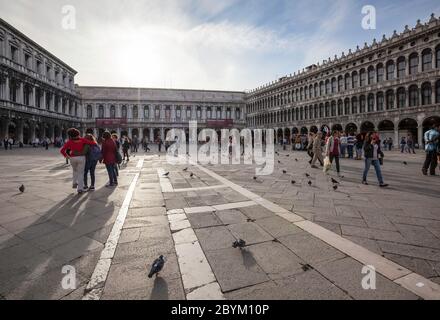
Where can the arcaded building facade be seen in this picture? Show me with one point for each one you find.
(391, 85)
(37, 90)
(150, 113)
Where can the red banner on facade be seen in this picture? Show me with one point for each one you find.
(228, 123)
(111, 123)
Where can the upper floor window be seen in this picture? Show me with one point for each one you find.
(413, 96)
(209, 113)
(426, 94)
(363, 77)
(327, 87)
(347, 82)
(413, 63)
(188, 112)
(199, 113)
(390, 70)
(135, 112)
(14, 54)
(426, 60)
(89, 112)
(380, 73)
(437, 91)
(146, 112)
(101, 112)
(113, 112)
(28, 61)
(219, 113)
(178, 113)
(321, 89)
(48, 72)
(340, 84)
(228, 113)
(333, 85)
(354, 80)
(437, 57)
(237, 113)
(167, 112)
(371, 75)
(401, 65)
(124, 112)
(39, 67)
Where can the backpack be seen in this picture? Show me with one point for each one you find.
(95, 153)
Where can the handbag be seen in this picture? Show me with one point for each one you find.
(327, 164)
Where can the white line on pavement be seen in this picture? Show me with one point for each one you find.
(95, 286)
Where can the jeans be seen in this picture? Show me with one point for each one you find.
(350, 151)
(111, 173)
(78, 164)
(376, 164)
(402, 147)
(336, 158)
(359, 153)
(90, 167)
(430, 162)
(343, 148)
(125, 154)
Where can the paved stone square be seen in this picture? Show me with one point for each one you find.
(302, 242)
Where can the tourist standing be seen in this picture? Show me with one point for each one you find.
(431, 145)
(402, 144)
(373, 154)
(92, 157)
(410, 144)
(78, 148)
(350, 145)
(333, 150)
(125, 148)
(118, 147)
(317, 150)
(109, 150)
(310, 146)
(343, 140)
(359, 145)
(6, 143)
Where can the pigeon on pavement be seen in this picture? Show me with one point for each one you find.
(21, 189)
(239, 244)
(157, 266)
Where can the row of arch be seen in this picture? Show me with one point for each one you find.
(402, 97)
(365, 76)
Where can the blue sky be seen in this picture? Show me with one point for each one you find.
(204, 44)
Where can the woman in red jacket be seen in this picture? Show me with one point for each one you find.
(109, 158)
(78, 148)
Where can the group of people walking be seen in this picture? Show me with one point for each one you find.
(369, 145)
(84, 154)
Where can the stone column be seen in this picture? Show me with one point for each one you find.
(141, 134)
(420, 135)
(21, 93)
(32, 131)
(224, 112)
(162, 113)
(396, 136)
(34, 98)
(173, 113)
(43, 94)
(7, 96)
(151, 134)
(204, 113)
(19, 131)
(162, 134)
(130, 130)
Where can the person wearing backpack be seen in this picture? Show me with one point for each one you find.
(92, 157)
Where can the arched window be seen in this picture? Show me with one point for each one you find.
(354, 105)
(321, 88)
(340, 107)
(401, 65)
(380, 101)
(413, 96)
(354, 80)
(362, 104)
(321, 111)
(390, 70)
(301, 94)
(89, 112)
(327, 87)
(437, 57)
(157, 112)
(101, 112)
(413, 63)
(112, 112)
(199, 113)
(347, 106)
(426, 60)
(327, 110)
(380, 73)
(316, 90)
(390, 99)
(146, 112)
(426, 94)
(333, 85)
(228, 113)
(188, 112)
(124, 112)
(340, 84)
(371, 75)
(209, 113)
(219, 113)
(363, 77)
(135, 112)
(437, 92)
(347, 81)
(178, 113)
(306, 93)
(333, 109)
(370, 103)
(401, 98)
